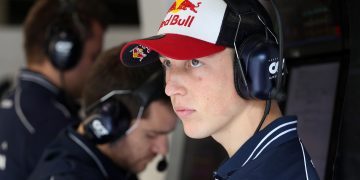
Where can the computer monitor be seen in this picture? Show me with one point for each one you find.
(312, 91)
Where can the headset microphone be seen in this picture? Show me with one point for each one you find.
(162, 164)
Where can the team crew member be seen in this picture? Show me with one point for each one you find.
(61, 41)
(221, 60)
(105, 145)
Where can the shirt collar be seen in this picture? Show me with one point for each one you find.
(37, 78)
(104, 164)
(27, 76)
(276, 133)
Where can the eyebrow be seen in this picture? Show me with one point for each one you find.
(160, 132)
(162, 57)
(163, 131)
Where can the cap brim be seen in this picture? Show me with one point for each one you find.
(146, 51)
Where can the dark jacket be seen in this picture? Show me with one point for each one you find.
(274, 153)
(31, 116)
(72, 156)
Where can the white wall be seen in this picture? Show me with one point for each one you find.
(152, 12)
(11, 51)
(11, 45)
(118, 34)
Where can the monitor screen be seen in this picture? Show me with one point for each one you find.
(310, 26)
(311, 96)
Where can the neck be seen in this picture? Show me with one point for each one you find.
(242, 127)
(46, 69)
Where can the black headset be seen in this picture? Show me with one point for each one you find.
(64, 38)
(107, 122)
(109, 119)
(256, 64)
(259, 63)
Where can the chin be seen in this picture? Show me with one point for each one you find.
(139, 168)
(195, 133)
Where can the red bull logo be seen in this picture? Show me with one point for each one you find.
(183, 5)
(140, 52)
(176, 20)
(180, 5)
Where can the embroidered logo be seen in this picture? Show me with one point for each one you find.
(183, 5)
(2, 162)
(99, 129)
(3, 148)
(176, 19)
(140, 52)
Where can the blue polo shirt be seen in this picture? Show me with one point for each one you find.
(71, 156)
(274, 153)
(31, 116)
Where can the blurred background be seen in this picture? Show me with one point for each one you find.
(322, 47)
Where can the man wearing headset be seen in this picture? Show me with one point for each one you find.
(127, 119)
(62, 38)
(221, 59)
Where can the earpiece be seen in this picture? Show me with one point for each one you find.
(258, 63)
(108, 122)
(64, 38)
(162, 164)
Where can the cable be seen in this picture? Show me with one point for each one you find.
(266, 112)
(277, 93)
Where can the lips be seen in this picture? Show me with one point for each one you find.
(184, 112)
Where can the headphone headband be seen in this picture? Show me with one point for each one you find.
(106, 97)
(104, 122)
(150, 90)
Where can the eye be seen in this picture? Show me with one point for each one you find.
(166, 63)
(195, 63)
(151, 135)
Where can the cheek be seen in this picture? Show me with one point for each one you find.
(139, 144)
(86, 63)
(219, 93)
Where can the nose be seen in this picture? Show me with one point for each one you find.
(174, 85)
(161, 145)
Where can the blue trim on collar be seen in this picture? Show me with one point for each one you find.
(28, 75)
(276, 133)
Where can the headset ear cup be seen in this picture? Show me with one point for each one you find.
(64, 37)
(257, 54)
(63, 45)
(240, 68)
(108, 123)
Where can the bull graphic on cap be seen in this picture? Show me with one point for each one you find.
(138, 53)
(183, 5)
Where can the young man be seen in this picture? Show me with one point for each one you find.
(105, 145)
(220, 59)
(61, 41)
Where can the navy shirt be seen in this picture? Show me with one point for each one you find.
(72, 156)
(30, 117)
(274, 153)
